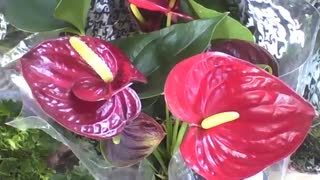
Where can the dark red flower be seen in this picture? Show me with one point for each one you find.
(242, 119)
(83, 84)
(248, 51)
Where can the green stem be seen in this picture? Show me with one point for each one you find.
(169, 18)
(172, 3)
(169, 15)
(159, 158)
(174, 135)
(168, 129)
(151, 165)
(181, 133)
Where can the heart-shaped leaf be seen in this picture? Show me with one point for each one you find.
(137, 141)
(74, 12)
(272, 120)
(154, 54)
(228, 29)
(33, 15)
(70, 91)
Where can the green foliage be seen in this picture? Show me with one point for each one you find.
(22, 153)
(228, 29)
(78, 173)
(48, 15)
(154, 54)
(74, 12)
(32, 15)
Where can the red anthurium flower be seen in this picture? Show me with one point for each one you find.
(164, 6)
(242, 119)
(83, 84)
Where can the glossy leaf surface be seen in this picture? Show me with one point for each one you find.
(72, 93)
(273, 120)
(37, 17)
(137, 141)
(228, 29)
(73, 11)
(154, 54)
(247, 51)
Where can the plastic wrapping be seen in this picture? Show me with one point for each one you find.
(289, 31)
(179, 171)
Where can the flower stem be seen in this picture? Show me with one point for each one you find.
(159, 158)
(174, 135)
(181, 133)
(172, 3)
(169, 15)
(151, 165)
(168, 129)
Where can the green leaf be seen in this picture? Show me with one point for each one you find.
(228, 29)
(10, 108)
(74, 12)
(154, 54)
(33, 15)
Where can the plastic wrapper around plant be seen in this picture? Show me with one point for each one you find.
(86, 150)
(284, 28)
(289, 31)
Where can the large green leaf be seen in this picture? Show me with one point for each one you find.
(155, 54)
(33, 15)
(228, 29)
(74, 12)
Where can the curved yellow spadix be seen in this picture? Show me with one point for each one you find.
(218, 119)
(99, 66)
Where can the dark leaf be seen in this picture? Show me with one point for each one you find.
(247, 51)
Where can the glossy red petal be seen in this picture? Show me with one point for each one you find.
(273, 120)
(116, 60)
(152, 5)
(137, 141)
(177, 95)
(160, 6)
(98, 120)
(72, 93)
(93, 89)
(57, 62)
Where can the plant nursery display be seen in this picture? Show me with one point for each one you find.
(159, 89)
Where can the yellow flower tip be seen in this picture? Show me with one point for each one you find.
(137, 13)
(97, 64)
(116, 140)
(218, 119)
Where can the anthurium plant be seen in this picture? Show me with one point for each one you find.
(191, 81)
